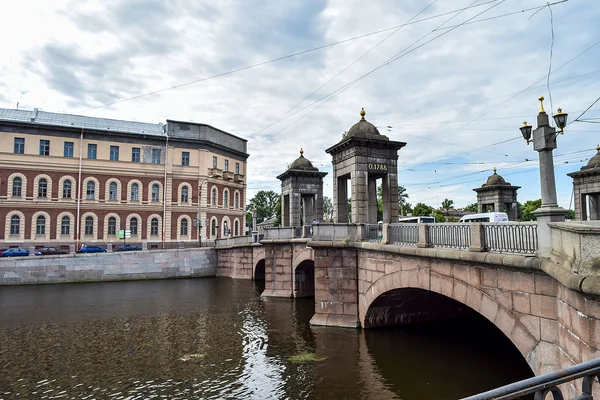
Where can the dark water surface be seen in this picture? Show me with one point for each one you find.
(217, 339)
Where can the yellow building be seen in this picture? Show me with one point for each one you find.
(69, 179)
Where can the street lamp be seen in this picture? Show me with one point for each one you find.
(544, 142)
(198, 221)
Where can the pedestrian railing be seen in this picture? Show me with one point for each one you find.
(372, 233)
(451, 235)
(512, 237)
(541, 386)
(404, 234)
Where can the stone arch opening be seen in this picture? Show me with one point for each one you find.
(304, 279)
(259, 270)
(418, 328)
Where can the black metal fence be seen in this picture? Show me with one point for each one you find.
(543, 385)
(373, 232)
(511, 237)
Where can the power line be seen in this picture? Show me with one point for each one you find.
(459, 10)
(396, 57)
(586, 110)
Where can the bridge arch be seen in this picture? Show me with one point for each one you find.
(514, 327)
(307, 254)
(258, 264)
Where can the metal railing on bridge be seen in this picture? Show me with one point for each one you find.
(404, 234)
(512, 237)
(373, 232)
(450, 235)
(541, 386)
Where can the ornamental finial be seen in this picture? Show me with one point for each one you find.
(598, 148)
(541, 99)
(362, 113)
(301, 152)
(494, 170)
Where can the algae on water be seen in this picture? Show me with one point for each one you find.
(305, 358)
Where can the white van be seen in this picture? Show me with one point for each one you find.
(417, 220)
(485, 217)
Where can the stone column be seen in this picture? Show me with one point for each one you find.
(594, 207)
(359, 196)
(309, 208)
(341, 201)
(372, 200)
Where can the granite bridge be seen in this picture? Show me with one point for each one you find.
(407, 273)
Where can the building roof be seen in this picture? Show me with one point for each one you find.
(36, 116)
(364, 128)
(302, 163)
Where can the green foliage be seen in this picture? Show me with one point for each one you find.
(447, 205)
(327, 209)
(439, 216)
(422, 209)
(265, 204)
(528, 208)
(471, 207)
(570, 214)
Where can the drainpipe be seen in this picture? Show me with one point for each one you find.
(78, 222)
(165, 186)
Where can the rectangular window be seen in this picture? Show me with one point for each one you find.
(19, 145)
(92, 151)
(114, 153)
(44, 147)
(214, 161)
(155, 156)
(226, 166)
(237, 168)
(185, 158)
(135, 154)
(69, 146)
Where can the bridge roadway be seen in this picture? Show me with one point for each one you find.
(550, 313)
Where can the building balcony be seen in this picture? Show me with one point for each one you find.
(215, 172)
(228, 175)
(239, 178)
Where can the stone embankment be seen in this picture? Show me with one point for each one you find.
(154, 264)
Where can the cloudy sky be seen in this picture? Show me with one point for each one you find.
(453, 78)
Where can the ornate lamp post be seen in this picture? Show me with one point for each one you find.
(544, 142)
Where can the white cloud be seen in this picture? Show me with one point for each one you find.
(450, 100)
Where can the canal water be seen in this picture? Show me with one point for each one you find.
(217, 338)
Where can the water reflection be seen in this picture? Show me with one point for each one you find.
(217, 339)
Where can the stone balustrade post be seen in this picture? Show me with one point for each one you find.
(477, 237)
(144, 245)
(385, 234)
(72, 249)
(109, 247)
(424, 236)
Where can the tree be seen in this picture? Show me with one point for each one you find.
(422, 209)
(265, 204)
(439, 216)
(471, 207)
(447, 205)
(528, 208)
(402, 203)
(327, 209)
(570, 214)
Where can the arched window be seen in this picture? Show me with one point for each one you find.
(135, 189)
(65, 225)
(15, 223)
(213, 197)
(67, 189)
(225, 229)
(236, 200)
(155, 192)
(91, 191)
(43, 188)
(17, 185)
(154, 227)
(213, 230)
(236, 228)
(133, 225)
(112, 191)
(89, 225)
(225, 198)
(184, 194)
(112, 226)
(40, 225)
(183, 231)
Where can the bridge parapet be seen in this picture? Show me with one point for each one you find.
(576, 246)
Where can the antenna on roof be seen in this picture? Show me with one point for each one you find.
(17, 105)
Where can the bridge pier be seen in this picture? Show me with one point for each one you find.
(336, 285)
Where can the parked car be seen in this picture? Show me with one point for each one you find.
(15, 252)
(129, 247)
(49, 251)
(92, 249)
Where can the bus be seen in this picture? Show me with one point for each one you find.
(485, 217)
(417, 220)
